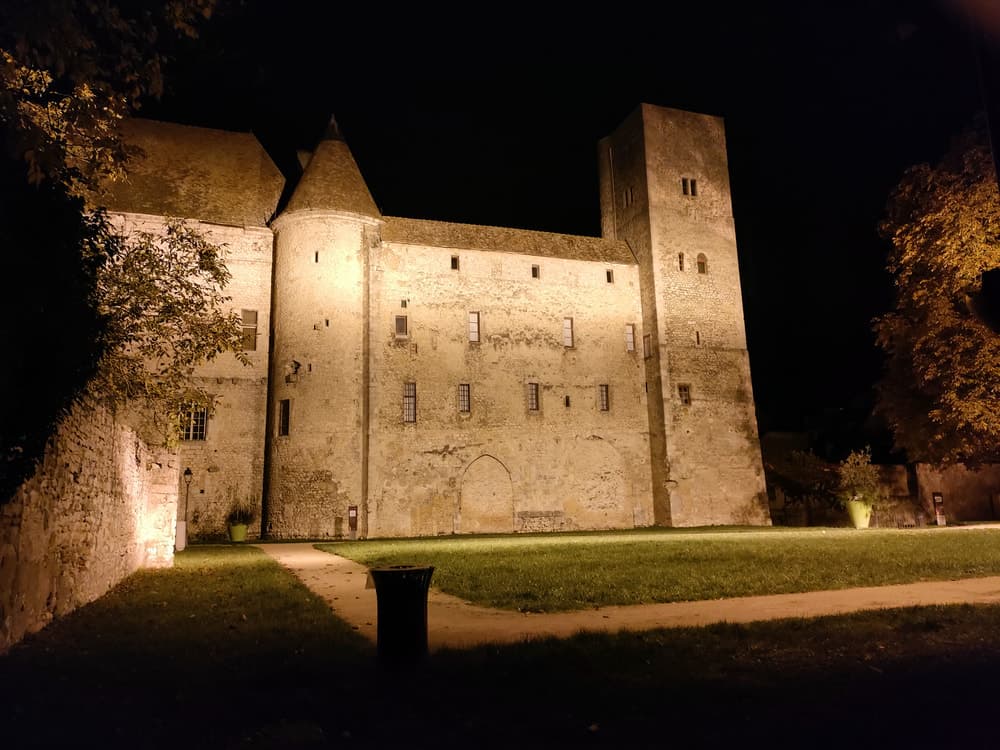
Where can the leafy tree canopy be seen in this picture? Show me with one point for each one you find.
(941, 390)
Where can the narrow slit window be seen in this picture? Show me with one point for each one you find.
(454, 262)
(647, 346)
(464, 398)
(694, 186)
(532, 396)
(316, 257)
(566, 401)
(684, 394)
(697, 338)
(609, 275)
(249, 324)
(629, 337)
(603, 399)
(536, 272)
(284, 416)
(685, 186)
(402, 327)
(568, 332)
(680, 261)
(194, 422)
(473, 327)
(409, 402)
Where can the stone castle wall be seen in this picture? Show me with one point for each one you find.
(100, 505)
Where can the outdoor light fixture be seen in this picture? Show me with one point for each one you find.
(180, 541)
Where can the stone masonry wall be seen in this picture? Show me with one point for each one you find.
(100, 505)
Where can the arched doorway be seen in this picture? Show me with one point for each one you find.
(486, 501)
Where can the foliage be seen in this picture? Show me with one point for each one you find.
(941, 390)
(241, 513)
(858, 479)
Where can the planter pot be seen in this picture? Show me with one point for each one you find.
(238, 532)
(860, 513)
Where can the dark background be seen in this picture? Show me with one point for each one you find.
(491, 114)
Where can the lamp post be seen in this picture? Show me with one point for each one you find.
(180, 541)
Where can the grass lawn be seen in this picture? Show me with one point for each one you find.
(227, 650)
(553, 572)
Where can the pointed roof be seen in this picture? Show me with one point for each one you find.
(332, 180)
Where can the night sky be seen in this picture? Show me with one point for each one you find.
(492, 116)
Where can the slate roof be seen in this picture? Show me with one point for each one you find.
(502, 239)
(196, 173)
(332, 181)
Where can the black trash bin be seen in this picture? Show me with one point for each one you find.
(401, 591)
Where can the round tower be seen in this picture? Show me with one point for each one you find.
(316, 443)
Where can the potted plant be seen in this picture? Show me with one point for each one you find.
(239, 517)
(859, 487)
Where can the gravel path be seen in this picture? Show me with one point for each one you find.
(455, 623)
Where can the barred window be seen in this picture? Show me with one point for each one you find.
(567, 332)
(629, 337)
(284, 416)
(402, 327)
(684, 394)
(464, 398)
(409, 402)
(249, 322)
(603, 399)
(194, 422)
(702, 263)
(474, 327)
(532, 396)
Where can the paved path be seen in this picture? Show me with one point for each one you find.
(455, 623)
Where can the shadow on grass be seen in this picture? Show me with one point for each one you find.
(227, 650)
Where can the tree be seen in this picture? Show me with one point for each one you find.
(941, 390)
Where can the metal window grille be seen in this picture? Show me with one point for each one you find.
(194, 423)
(567, 332)
(284, 416)
(474, 327)
(684, 394)
(602, 397)
(464, 398)
(647, 346)
(249, 330)
(402, 327)
(532, 396)
(409, 402)
(629, 338)
(702, 264)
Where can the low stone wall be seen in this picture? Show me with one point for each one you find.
(100, 505)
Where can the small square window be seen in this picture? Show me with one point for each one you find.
(194, 422)
(629, 337)
(684, 394)
(402, 327)
(409, 402)
(536, 272)
(609, 275)
(532, 396)
(454, 262)
(647, 346)
(249, 323)
(464, 398)
(568, 332)
(473, 327)
(603, 397)
(284, 416)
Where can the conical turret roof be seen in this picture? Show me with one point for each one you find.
(332, 180)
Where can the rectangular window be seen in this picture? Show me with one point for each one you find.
(536, 272)
(647, 346)
(402, 303)
(680, 261)
(474, 327)
(464, 398)
(409, 402)
(685, 187)
(194, 422)
(629, 337)
(454, 262)
(249, 324)
(402, 327)
(284, 416)
(567, 332)
(694, 186)
(603, 399)
(610, 276)
(532, 396)
(684, 394)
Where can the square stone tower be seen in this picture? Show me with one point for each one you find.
(665, 191)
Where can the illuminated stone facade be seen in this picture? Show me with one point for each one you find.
(437, 378)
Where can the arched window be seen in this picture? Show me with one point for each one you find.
(702, 263)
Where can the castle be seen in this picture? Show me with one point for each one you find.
(414, 377)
